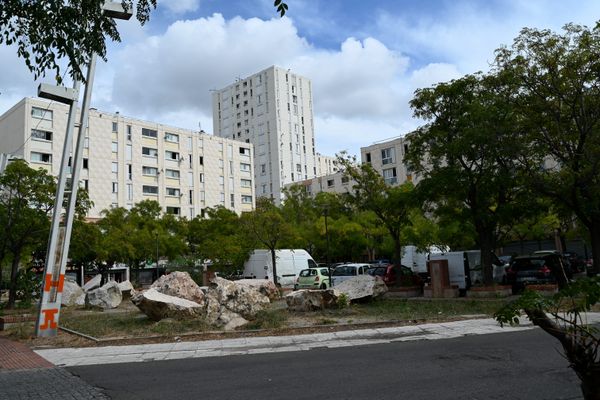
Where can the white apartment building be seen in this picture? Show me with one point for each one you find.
(273, 110)
(127, 160)
(326, 165)
(332, 183)
(387, 158)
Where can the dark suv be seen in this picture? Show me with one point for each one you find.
(534, 269)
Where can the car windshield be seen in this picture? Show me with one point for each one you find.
(343, 270)
(377, 271)
(305, 272)
(527, 264)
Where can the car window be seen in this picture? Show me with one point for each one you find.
(313, 272)
(324, 271)
(305, 272)
(342, 271)
(312, 264)
(525, 264)
(377, 271)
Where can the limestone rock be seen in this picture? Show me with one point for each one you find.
(158, 305)
(127, 289)
(179, 284)
(239, 298)
(361, 287)
(230, 320)
(264, 286)
(93, 283)
(311, 300)
(108, 296)
(72, 293)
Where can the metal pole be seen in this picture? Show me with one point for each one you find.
(47, 322)
(157, 272)
(327, 248)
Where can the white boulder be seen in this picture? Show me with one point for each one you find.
(179, 284)
(106, 297)
(361, 287)
(311, 300)
(93, 283)
(72, 294)
(126, 288)
(264, 286)
(239, 298)
(158, 305)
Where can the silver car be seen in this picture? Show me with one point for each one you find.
(348, 271)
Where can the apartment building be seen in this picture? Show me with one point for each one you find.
(332, 183)
(273, 110)
(127, 160)
(387, 158)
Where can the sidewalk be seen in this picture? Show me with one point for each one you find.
(270, 344)
(16, 356)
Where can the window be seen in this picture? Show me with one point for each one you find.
(232, 200)
(172, 173)
(171, 137)
(345, 179)
(115, 187)
(387, 156)
(149, 152)
(174, 210)
(128, 152)
(246, 183)
(129, 132)
(201, 160)
(263, 169)
(41, 157)
(173, 192)
(201, 178)
(330, 182)
(171, 155)
(115, 127)
(190, 162)
(151, 133)
(129, 191)
(191, 197)
(190, 179)
(246, 199)
(298, 167)
(129, 171)
(190, 143)
(244, 151)
(86, 142)
(86, 163)
(114, 147)
(245, 167)
(40, 113)
(368, 157)
(146, 189)
(114, 167)
(149, 171)
(389, 176)
(37, 134)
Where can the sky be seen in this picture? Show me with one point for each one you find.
(365, 58)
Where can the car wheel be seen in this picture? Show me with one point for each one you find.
(323, 286)
(295, 287)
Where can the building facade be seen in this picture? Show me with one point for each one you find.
(272, 109)
(387, 158)
(127, 160)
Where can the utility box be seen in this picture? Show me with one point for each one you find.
(440, 280)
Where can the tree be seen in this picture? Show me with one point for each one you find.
(391, 204)
(48, 31)
(562, 317)
(268, 228)
(465, 154)
(26, 200)
(558, 102)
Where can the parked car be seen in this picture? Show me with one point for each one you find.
(312, 278)
(393, 275)
(564, 260)
(534, 269)
(347, 271)
(577, 262)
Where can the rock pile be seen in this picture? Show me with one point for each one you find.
(92, 295)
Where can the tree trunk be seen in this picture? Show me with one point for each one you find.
(12, 294)
(595, 242)
(273, 261)
(486, 244)
(397, 251)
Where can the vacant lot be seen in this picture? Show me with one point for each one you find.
(127, 324)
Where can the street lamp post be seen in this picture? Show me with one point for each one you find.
(157, 271)
(60, 233)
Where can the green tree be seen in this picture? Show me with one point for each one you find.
(391, 204)
(556, 78)
(46, 31)
(268, 228)
(466, 152)
(26, 201)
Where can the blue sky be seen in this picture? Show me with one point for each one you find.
(365, 58)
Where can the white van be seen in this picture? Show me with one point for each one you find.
(289, 263)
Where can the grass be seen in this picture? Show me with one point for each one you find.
(269, 319)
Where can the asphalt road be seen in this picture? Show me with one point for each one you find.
(524, 365)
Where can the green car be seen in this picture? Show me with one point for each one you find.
(312, 278)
